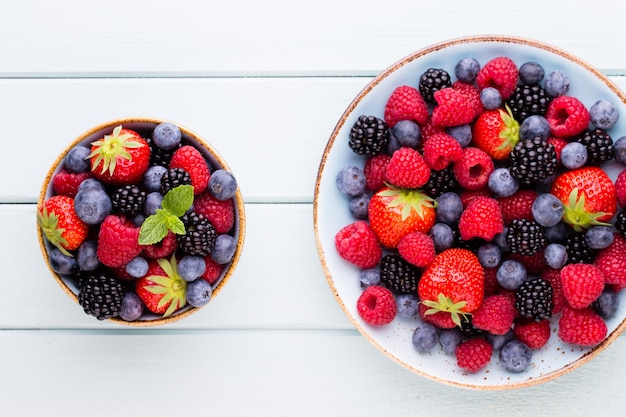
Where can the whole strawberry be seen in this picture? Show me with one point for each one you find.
(407, 169)
(120, 158)
(162, 290)
(582, 284)
(191, 160)
(376, 305)
(496, 132)
(118, 241)
(582, 327)
(357, 244)
(60, 224)
(405, 103)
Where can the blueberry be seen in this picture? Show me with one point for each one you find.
(499, 340)
(407, 306)
(533, 126)
(450, 339)
(152, 177)
(555, 255)
(90, 183)
(153, 202)
(491, 98)
(351, 181)
(531, 73)
(511, 274)
(87, 258)
(449, 207)
(620, 150)
(574, 155)
(556, 83)
(500, 240)
(166, 135)
(138, 219)
(61, 263)
(467, 69)
(515, 356)
(425, 337)
(407, 133)
(198, 292)
(224, 249)
(137, 267)
(489, 255)
(547, 210)
(606, 304)
(359, 205)
(76, 159)
(502, 183)
(370, 276)
(603, 114)
(92, 205)
(190, 267)
(599, 237)
(222, 184)
(132, 307)
(462, 134)
(442, 235)
(557, 232)
(393, 144)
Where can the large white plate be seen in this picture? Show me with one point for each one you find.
(331, 210)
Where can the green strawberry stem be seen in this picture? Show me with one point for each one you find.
(575, 214)
(49, 223)
(445, 304)
(110, 147)
(510, 133)
(409, 199)
(173, 287)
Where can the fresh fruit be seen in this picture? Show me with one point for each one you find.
(452, 109)
(166, 135)
(441, 150)
(405, 103)
(60, 224)
(473, 354)
(472, 171)
(582, 327)
(375, 170)
(100, 295)
(417, 248)
(612, 261)
(534, 334)
(406, 169)
(532, 161)
(431, 81)
(191, 160)
(603, 114)
(496, 132)
(398, 275)
(481, 219)
(221, 213)
(369, 135)
(66, 183)
(582, 284)
(198, 293)
(162, 290)
(500, 73)
(425, 337)
(118, 241)
(350, 180)
(515, 356)
(533, 299)
(222, 184)
(376, 305)
(567, 116)
(495, 315)
(357, 244)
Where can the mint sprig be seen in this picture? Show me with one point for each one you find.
(175, 203)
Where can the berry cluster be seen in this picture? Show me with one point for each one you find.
(140, 221)
(482, 213)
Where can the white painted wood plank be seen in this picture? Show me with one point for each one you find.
(265, 373)
(121, 37)
(279, 282)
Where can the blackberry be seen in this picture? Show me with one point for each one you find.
(199, 237)
(160, 156)
(533, 299)
(440, 182)
(468, 330)
(128, 199)
(369, 135)
(174, 177)
(533, 160)
(578, 251)
(525, 237)
(620, 222)
(398, 275)
(599, 145)
(528, 100)
(100, 295)
(432, 80)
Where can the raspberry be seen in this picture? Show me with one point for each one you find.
(468, 196)
(429, 129)
(452, 109)
(417, 248)
(495, 315)
(117, 241)
(357, 244)
(492, 286)
(472, 95)
(191, 160)
(534, 264)
(620, 188)
(440, 150)
(582, 284)
(559, 144)
(473, 354)
(405, 103)
(612, 261)
(375, 169)
(535, 334)
(500, 73)
(221, 213)
(377, 305)
(582, 327)
(481, 219)
(567, 116)
(66, 183)
(518, 206)
(472, 171)
(162, 249)
(407, 169)
(213, 270)
(553, 276)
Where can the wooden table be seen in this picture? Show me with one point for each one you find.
(265, 83)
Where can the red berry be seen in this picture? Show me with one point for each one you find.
(357, 244)
(495, 315)
(492, 286)
(453, 108)
(472, 171)
(221, 213)
(66, 183)
(518, 206)
(407, 169)
(567, 116)
(405, 103)
(582, 327)
(191, 160)
(559, 144)
(473, 354)
(375, 169)
(441, 319)
(213, 270)
(417, 248)
(620, 188)
(120, 158)
(161, 249)
(481, 218)
(117, 241)
(535, 334)
(612, 261)
(582, 284)
(472, 95)
(440, 150)
(377, 305)
(500, 73)
(553, 276)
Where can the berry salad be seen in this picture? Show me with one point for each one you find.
(140, 222)
(486, 213)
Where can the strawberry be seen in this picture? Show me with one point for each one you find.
(582, 327)
(441, 319)
(393, 213)
(405, 103)
(377, 305)
(162, 290)
(212, 271)
(620, 188)
(535, 334)
(407, 169)
(120, 158)
(472, 171)
(60, 224)
(452, 109)
(454, 282)
(118, 241)
(496, 132)
(588, 196)
(582, 284)
(612, 261)
(518, 206)
(375, 169)
(440, 150)
(66, 183)
(495, 315)
(500, 73)
(567, 116)
(481, 218)
(191, 160)
(473, 354)
(221, 213)
(357, 244)
(417, 248)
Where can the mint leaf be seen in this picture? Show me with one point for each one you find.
(175, 224)
(178, 200)
(153, 230)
